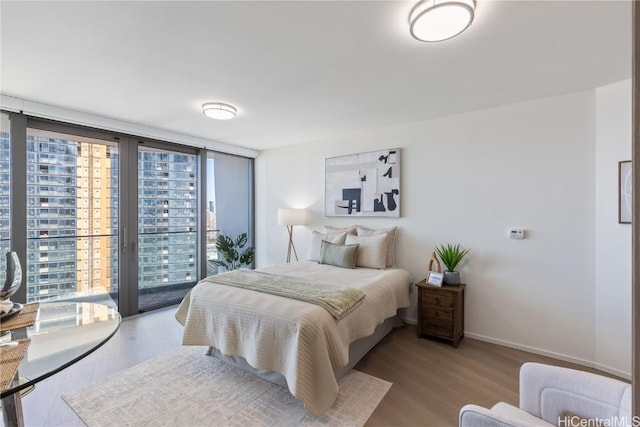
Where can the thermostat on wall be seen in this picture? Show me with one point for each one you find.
(516, 233)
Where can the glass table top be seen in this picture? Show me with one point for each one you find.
(63, 333)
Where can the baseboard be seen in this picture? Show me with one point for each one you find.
(535, 350)
(413, 322)
(613, 371)
(552, 354)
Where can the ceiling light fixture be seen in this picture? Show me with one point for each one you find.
(219, 111)
(438, 20)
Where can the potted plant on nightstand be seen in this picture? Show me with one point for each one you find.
(451, 255)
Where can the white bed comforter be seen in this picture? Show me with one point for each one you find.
(297, 339)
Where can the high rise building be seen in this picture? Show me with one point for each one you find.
(167, 218)
(73, 216)
(71, 206)
(97, 238)
(5, 194)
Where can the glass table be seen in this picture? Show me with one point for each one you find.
(63, 333)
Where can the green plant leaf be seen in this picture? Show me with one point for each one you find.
(451, 255)
(247, 256)
(218, 263)
(233, 257)
(241, 240)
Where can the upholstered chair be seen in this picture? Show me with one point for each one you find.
(554, 396)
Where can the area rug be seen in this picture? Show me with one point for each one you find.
(188, 388)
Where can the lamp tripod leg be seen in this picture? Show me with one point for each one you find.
(290, 230)
(294, 250)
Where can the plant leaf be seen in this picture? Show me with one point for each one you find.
(231, 252)
(241, 240)
(451, 255)
(247, 256)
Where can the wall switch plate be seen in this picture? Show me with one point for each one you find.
(516, 233)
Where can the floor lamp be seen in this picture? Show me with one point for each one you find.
(291, 217)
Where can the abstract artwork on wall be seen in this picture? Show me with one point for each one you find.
(624, 192)
(366, 184)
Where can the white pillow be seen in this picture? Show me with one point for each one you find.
(372, 250)
(391, 241)
(316, 242)
(348, 230)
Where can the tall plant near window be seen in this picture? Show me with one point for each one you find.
(234, 254)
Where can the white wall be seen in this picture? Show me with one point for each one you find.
(613, 240)
(469, 178)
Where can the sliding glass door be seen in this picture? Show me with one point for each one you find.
(5, 193)
(167, 225)
(72, 217)
(105, 217)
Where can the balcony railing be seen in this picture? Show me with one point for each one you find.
(87, 267)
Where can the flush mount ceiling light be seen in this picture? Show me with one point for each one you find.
(437, 20)
(219, 111)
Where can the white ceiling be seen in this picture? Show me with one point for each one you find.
(301, 71)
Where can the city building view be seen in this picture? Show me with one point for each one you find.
(167, 222)
(72, 217)
(212, 231)
(5, 194)
(73, 227)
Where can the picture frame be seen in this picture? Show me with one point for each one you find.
(363, 184)
(624, 192)
(435, 278)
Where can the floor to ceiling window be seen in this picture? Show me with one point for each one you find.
(211, 228)
(229, 200)
(106, 217)
(72, 216)
(5, 193)
(167, 225)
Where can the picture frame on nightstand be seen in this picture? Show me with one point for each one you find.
(434, 278)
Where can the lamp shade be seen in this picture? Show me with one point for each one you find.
(292, 216)
(438, 20)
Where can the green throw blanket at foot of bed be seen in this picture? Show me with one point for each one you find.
(338, 301)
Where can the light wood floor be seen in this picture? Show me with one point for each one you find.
(431, 380)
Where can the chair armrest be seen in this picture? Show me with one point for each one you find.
(550, 392)
(501, 415)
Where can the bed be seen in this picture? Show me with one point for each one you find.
(292, 342)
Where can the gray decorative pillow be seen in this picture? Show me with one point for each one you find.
(339, 255)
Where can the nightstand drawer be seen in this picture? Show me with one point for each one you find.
(439, 328)
(440, 299)
(439, 314)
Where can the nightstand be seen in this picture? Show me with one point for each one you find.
(441, 311)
